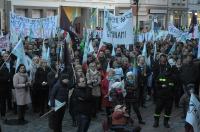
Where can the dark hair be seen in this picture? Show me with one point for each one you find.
(20, 65)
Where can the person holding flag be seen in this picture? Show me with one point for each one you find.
(60, 93)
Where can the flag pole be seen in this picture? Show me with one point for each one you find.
(5, 61)
(47, 113)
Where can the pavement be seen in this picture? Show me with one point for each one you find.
(37, 124)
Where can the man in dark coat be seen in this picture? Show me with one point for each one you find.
(164, 79)
(4, 77)
(83, 97)
(59, 92)
(9, 68)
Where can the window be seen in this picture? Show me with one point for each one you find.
(21, 12)
(36, 13)
(51, 12)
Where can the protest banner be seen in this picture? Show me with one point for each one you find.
(37, 28)
(4, 43)
(193, 114)
(174, 31)
(118, 29)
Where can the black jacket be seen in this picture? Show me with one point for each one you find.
(189, 73)
(41, 76)
(82, 97)
(59, 92)
(4, 84)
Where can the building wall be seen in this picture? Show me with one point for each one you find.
(1, 14)
(193, 6)
(175, 11)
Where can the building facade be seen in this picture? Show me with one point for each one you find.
(193, 7)
(91, 11)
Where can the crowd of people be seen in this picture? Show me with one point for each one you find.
(112, 83)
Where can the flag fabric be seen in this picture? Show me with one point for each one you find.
(66, 59)
(154, 51)
(18, 51)
(1, 35)
(113, 51)
(91, 49)
(30, 34)
(58, 104)
(198, 53)
(48, 56)
(85, 53)
(193, 114)
(173, 49)
(108, 67)
(61, 53)
(44, 51)
(144, 50)
(66, 25)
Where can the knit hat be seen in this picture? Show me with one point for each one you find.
(129, 74)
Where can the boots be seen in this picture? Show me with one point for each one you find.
(156, 121)
(166, 124)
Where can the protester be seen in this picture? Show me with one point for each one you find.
(164, 91)
(34, 93)
(59, 93)
(10, 69)
(21, 84)
(83, 97)
(4, 77)
(93, 80)
(132, 96)
(42, 87)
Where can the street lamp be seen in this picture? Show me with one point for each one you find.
(136, 30)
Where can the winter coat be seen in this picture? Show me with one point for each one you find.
(82, 97)
(59, 92)
(132, 92)
(95, 77)
(41, 76)
(4, 84)
(104, 92)
(21, 91)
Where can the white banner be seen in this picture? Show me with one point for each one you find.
(174, 31)
(193, 114)
(118, 29)
(5, 43)
(35, 28)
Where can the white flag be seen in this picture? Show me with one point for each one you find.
(113, 51)
(198, 53)
(58, 105)
(1, 35)
(18, 51)
(193, 114)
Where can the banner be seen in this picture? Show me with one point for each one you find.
(193, 114)
(5, 43)
(174, 31)
(37, 28)
(118, 29)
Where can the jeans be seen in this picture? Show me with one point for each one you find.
(83, 123)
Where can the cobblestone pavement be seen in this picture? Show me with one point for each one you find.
(41, 125)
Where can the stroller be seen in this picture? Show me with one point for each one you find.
(110, 125)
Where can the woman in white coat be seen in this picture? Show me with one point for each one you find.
(21, 84)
